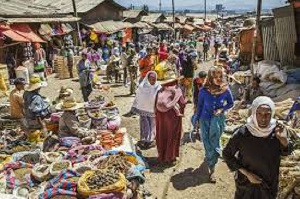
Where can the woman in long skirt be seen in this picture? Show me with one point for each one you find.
(169, 122)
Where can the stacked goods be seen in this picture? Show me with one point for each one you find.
(62, 68)
(289, 180)
(109, 139)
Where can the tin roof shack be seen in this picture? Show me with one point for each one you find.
(134, 16)
(89, 11)
(286, 35)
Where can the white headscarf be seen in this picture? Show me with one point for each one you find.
(146, 95)
(252, 124)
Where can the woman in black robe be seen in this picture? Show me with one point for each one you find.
(254, 152)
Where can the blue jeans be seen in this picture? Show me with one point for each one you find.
(211, 133)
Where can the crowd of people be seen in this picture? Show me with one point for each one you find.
(255, 149)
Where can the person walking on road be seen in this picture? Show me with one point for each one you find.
(214, 100)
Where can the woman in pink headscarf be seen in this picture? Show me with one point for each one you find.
(169, 122)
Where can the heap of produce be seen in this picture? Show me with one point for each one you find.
(102, 179)
(118, 163)
(289, 180)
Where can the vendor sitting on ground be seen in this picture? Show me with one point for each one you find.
(252, 91)
(16, 99)
(36, 107)
(64, 92)
(69, 125)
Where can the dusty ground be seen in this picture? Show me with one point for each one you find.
(189, 178)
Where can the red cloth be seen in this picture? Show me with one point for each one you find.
(145, 65)
(168, 134)
(163, 53)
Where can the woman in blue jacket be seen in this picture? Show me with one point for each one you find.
(214, 100)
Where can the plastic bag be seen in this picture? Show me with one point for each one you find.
(41, 172)
(85, 191)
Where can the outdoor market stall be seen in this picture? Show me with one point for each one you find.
(103, 165)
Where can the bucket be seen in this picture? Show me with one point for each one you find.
(22, 72)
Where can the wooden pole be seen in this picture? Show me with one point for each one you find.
(77, 23)
(204, 10)
(258, 13)
(173, 13)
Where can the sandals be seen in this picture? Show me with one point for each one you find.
(212, 177)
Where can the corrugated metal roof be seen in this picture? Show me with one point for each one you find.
(141, 24)
(133, 13)
(19, 7)
(66, 6)
(198, 22)
(169, 19)
(152, 18)
(162, 26)
(48, 7)
(42, 20)
(110, 26)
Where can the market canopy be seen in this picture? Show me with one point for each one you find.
(25, 31)
(188, 27)
(20, 33)
(110, 27)
(6, 31)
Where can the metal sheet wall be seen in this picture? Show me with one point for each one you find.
(269, 41)
(286, 35)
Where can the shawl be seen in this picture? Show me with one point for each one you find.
(252, 123)
(144, 102)
(210, 86)
(168, 98)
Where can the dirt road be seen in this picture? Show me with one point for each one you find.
(189, 178)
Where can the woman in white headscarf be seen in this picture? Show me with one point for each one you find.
(254, 152)
(143, 106)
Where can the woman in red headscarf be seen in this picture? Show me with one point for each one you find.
(163, 52)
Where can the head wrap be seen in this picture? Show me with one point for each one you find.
(252, 123)
(144, 102)
(210, 86)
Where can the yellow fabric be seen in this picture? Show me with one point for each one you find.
(85, 191)
(94, 37)
(3, 86)
(161, 70)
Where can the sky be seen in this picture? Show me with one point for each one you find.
(194, 4)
